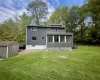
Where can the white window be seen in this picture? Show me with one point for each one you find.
(33, 28)
(13, 48)
(50, 38)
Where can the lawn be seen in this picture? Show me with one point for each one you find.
(80, 64)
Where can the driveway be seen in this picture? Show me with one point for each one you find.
(30, 51)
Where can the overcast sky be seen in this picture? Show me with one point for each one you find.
(12, 8)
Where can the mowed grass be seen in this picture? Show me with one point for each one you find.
(80, 64)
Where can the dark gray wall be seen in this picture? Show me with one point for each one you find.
(12, 53)
(3, 52)
(41, 32)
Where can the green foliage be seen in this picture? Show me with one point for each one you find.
(73, 19)
(39, 9)
(15, 30)
(94, 9)
(59, 16)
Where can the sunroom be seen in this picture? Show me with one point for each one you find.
(59, 40)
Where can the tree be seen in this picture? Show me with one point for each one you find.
(94, 9)
(39, 9)
(73, 19)
(83, 15)
(21, 23)
(8, 31)
(55, 17)
(15, 30)
(59, 16)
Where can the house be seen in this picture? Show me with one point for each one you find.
(52, 37)
(8, 49)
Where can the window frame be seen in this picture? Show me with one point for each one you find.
(50, 38)
(62, 39)
(33, 28)
(34, 38)
(56, 38)
(13, 48)
(57, 29)
(42, 37)
(68, 40)
(49, 29)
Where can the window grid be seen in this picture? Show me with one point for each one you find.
(33, 38)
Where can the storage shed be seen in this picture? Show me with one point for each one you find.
(8, 49)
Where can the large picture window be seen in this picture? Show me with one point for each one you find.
(62, 38)
(56, 38)
(50, 38)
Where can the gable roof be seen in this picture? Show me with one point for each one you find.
(6, 43)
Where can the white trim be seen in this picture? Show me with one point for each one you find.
(7, 53)
(46, 40)
(13, 48)
(65, 38)
(53, 38)
(59, 38)
(26, 36)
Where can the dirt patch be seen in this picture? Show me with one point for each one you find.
(64, 57)
(29, 51)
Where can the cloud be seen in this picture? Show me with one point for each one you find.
(12, 8)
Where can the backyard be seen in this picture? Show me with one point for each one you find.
(80, 64)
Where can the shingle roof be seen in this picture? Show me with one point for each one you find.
(46, 26)
(58, 33)
(6, 43)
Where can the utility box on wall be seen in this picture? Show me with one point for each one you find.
(8, 49)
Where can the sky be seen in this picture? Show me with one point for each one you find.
(13, 8)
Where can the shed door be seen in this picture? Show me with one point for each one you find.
(3, 52)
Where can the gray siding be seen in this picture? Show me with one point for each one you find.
(57, 44)
(3, 52)
(41, 32)
(11, 52)
(38, 34)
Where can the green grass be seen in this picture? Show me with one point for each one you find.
(80, 64)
